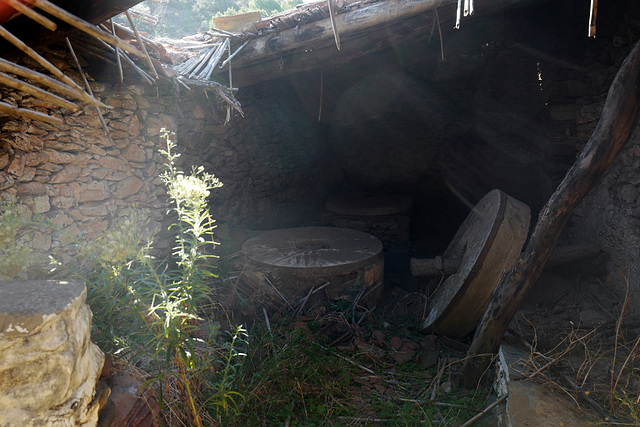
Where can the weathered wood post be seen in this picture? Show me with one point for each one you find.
(619, 119)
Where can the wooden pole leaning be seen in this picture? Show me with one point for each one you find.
(619, 119)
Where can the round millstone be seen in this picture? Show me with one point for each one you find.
(296, 259)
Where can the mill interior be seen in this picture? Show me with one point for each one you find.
(495, 106)
(399, 141)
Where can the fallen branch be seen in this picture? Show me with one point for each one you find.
(364, 368)
(573, 385)
(278, 292)
(304, 302)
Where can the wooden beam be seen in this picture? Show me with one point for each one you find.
(377, 15)
(85, 26)
(27, 11)
(313, 46)
(368, 27)
(619, 119)
(10, 67)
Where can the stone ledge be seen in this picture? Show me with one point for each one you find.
(26, 306)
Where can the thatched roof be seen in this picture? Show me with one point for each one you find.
(326, 33)
(28, 27)
(312, 36)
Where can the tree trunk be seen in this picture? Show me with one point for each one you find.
(619, 119)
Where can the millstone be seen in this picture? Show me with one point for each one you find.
(488, 244)
(296, 259)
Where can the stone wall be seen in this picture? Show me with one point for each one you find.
(74, 174)
(610, 213)
(272, 161)
(84, 181)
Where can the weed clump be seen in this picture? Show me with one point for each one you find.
(151, 313)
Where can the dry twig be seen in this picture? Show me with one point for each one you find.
(485, 411)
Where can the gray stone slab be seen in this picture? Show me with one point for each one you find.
(26, 305)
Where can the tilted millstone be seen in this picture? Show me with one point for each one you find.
(488, 243)
(48, 365)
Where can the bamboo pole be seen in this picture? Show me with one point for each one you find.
(10, 67)
(215, 59)
(332, 18)
(118, 60)
(36, 57)
(88, 86)
(144, 49)
(150, 80)
(139, 70)
(12, 82)
(230, 76)
(203, 62)
(128, 32)
(592, 18)
(83, 25)
(144, 16)
(27, 11)
(20, 113)
(233, 54)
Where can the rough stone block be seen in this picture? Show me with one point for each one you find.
(6, 181)
(48, 365)
(66, 174)
(4, 159)
(112, 163)
(134, 153)
(92, 192)
(32, 188)
(27, 142)
(16, 168)
(35, 159)
(27, 174)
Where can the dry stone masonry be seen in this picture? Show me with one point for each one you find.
(84, 180)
